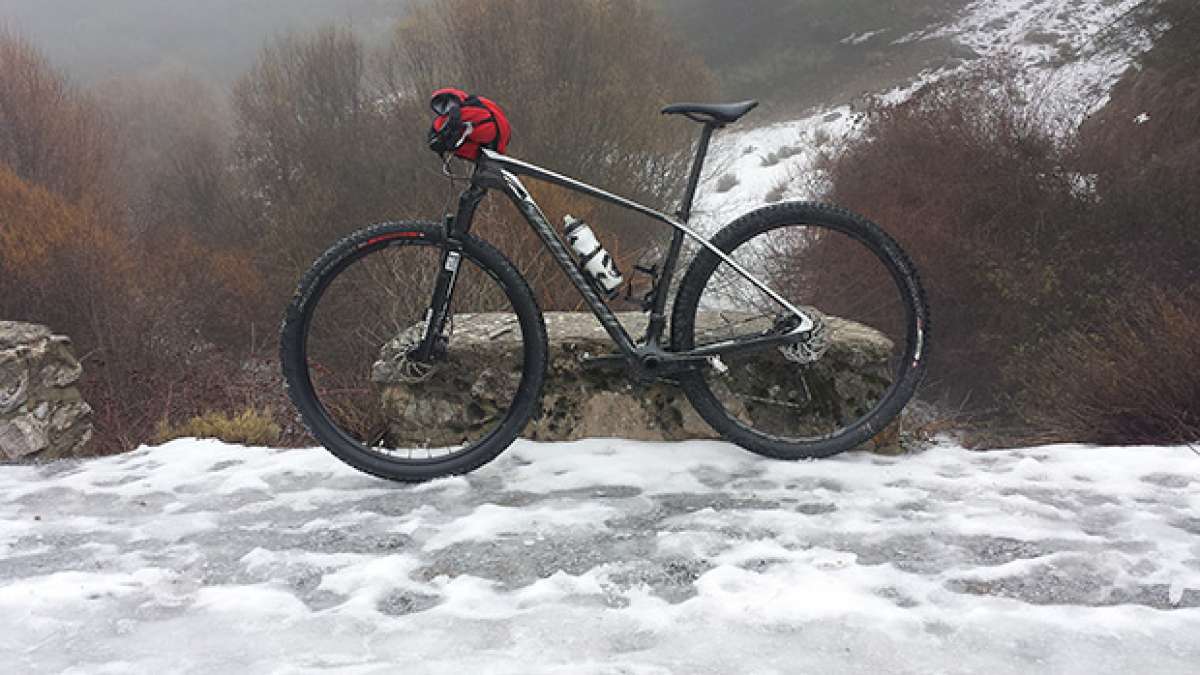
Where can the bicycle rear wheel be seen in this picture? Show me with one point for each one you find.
(347, 343)
(855, 372)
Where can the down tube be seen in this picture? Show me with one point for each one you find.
(545, 231)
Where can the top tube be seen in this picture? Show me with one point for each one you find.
(522, 168)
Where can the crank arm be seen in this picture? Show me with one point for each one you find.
(604, 361)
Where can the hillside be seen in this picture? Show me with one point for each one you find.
(800, 53)
(1070, 56)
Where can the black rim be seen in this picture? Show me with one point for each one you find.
(375, 445)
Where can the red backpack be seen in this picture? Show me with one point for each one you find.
(466, 123)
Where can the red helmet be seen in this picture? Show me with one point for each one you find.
(466, 123)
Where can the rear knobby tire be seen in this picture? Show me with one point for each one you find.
(334, 436)
(840, 224)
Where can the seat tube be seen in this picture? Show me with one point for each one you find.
(658, 318)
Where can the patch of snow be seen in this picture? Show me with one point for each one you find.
(858, 39)
(493, 521)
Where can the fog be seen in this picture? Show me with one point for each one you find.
(216, 39)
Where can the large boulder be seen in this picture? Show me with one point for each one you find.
(583, 402)
(42, 415)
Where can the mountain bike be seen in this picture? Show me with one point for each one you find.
(373, 337)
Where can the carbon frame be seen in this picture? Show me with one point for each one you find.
(497, 171)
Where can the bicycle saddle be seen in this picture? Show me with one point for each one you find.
(720, 113)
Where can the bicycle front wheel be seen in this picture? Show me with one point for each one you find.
(842, 384)
(347, 352)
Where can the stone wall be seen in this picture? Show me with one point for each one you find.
(586, 402)
(42, 415)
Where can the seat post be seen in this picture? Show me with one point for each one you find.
(685, 210)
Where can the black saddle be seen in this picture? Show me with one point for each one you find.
(718, 114)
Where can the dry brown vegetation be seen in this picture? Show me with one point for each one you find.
(163, 227)
(1128, 380)
(1061, 269)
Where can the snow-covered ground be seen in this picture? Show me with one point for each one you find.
(1069, 53)
(604, 556)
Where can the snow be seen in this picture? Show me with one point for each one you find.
(604, 556)
(859, 38)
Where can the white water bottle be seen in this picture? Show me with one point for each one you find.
(592, 257)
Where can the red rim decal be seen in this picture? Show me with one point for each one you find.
(394, 235)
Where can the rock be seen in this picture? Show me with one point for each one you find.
(577, 402)
(42, 415)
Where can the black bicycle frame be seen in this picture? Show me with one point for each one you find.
(500, 172)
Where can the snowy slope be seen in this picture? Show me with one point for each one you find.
(604, 557)
(1070, 54)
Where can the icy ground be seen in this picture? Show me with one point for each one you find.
(604, 556)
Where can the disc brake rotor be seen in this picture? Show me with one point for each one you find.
(813, 346)
(404, 367)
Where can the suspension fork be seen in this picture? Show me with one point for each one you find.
(438, 313)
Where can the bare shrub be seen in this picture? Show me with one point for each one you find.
(1130, 379)
(68, 269)
(140, 305)
(778, 189)
(786, 151)
(582, 83)
(727, 182)
(321, 154)
(1025, 234)
(974, 188)
(165, 238)
(51, 133)
(778, 155)
(175, 134)
(1142, 151)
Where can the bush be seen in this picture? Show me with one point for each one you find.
(778, 190)
(974, 188)
(582, 83)
(1131, 380)
(151, 309)
(1024, 235)
(727, 182)
(51, 133)
(248, 427)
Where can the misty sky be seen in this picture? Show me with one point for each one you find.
(95, 39)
